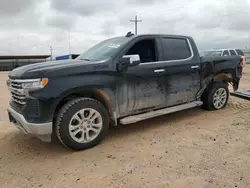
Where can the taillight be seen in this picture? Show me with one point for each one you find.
(241, 61)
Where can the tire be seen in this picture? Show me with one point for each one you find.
(71, 113)
(213, 90)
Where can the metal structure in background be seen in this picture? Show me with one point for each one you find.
(8, 63)
(247, 55)
(69, 56)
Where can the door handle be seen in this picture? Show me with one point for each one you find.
(159, 70)
(194, 67)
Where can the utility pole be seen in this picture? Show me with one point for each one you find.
(51, 58)
(136, 21)
(69, 41)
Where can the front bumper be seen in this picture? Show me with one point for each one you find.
(41, 130)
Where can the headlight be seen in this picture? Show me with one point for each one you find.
(35, 84)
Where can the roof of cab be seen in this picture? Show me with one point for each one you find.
(161, 35)
(129, 34)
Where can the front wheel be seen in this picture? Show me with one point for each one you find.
(82, 123)
(216, 96)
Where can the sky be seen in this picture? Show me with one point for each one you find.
(73, 26)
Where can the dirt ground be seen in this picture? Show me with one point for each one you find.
(189, 149)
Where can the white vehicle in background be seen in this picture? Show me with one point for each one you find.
(226, 52)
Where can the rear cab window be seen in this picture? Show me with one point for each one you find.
(239, 52)
(175, 48)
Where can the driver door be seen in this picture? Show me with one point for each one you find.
(138, 87)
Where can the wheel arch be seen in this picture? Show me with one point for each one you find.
(225, 76)
(98, 94)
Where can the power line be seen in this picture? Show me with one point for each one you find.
(136, 21)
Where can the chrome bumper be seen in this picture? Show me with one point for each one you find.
(43, 131)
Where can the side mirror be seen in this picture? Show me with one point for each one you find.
(128, 61)
(132, 60)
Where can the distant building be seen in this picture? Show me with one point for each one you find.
(8, 62)
(70, 56)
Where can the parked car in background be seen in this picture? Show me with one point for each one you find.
(226, 52)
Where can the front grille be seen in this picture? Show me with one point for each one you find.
(17, 92)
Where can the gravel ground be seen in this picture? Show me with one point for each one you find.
(193, 148)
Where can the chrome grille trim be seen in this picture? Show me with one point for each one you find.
(18, 96)
(18, 101)
(16, 91)
(24, 80)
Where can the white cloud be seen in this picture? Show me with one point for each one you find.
(31, 27)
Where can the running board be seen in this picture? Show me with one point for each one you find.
(151, 114)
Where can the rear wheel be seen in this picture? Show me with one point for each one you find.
(82, 123)
(216, 96)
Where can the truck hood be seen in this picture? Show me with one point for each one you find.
(56, 68)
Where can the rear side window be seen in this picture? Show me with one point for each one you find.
(175, 49)
(239, 52)
(225, 53)
(232, 52)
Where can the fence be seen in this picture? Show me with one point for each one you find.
(8, 63)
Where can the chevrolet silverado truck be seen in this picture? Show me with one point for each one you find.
(121, 80)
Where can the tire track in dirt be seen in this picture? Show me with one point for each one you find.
(236, 104)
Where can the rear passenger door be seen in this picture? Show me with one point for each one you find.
(232, 52)
(180, 70)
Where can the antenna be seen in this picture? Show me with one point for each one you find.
(129, 34)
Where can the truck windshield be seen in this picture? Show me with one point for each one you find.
(213, 53)
(104, 49)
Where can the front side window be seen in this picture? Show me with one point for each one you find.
(104, 50)
(145, 49)
(175, 49)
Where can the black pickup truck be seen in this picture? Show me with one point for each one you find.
(120, 80)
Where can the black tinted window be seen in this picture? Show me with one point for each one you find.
(232, 52)
(225, 53)
(239, 52)
(175, 49)
(145, 49)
